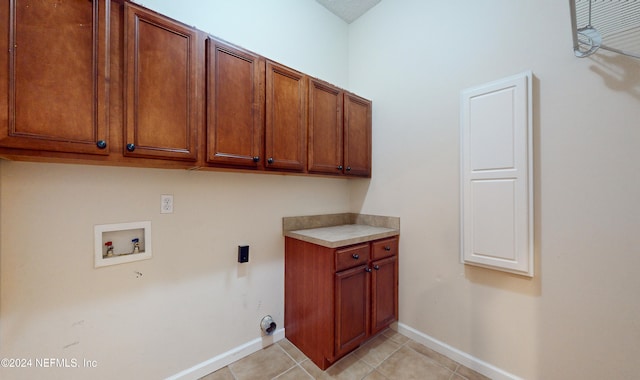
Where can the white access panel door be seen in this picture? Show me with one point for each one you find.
(496, 175)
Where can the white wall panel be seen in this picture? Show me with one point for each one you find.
(496, 196)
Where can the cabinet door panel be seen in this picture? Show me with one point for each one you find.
(352, 308)
(325, 128)
(286, 118)
(384, 304)
(357, 135)
(160, 58)
(234, 106)
(57, 98)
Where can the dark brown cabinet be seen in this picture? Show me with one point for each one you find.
(235, 103)
(160, 56)
(339, 131)
(325, 128)
(357, 135)
(336, 298)
(352, 298)
(55, 80)
(286, 118)
(384, 283)
(111, 82)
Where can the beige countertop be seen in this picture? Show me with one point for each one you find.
(333, 236)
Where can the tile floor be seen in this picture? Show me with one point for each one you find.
(389, 355)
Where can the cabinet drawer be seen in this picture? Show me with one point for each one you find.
(352, 256)
(384, 248)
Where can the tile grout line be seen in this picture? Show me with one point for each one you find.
(453, 372)
(297, 364)
(375, 367)
(231, 371)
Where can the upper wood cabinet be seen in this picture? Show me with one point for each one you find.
(109, 81)
(357, 135)
(286, 118)
(160, 58)
(339, 131)
(55, 76)
(235, 103)
(325, 128)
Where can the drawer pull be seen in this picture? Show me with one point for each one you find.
(367, 269)
(101, 144)
(376, 267)
(387, 248)
(131, 147)
(256, 159)
(355, 256)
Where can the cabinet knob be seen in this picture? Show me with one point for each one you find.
(376, 267)
(131, 147)
(101, 144)
(355, 256)
(270, 160)
(387, 248)
(339, 167)
(348, 168)
(367, 269)
(256, 159)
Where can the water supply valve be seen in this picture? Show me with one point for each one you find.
(136, 245)
(268, 325)
(109, 246)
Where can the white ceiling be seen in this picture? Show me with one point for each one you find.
(348, 10)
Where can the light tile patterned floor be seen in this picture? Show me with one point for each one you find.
(388, 356)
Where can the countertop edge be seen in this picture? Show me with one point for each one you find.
(344, 242)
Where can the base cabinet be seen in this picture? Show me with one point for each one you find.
(352, 308)
(336, 298)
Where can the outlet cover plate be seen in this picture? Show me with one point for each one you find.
(166, 204)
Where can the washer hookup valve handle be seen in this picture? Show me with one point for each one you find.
(136, 245)
(109, 246)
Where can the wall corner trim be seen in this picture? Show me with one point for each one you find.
(461, 357)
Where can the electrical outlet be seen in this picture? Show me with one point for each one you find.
(166, 204)
(243, 253)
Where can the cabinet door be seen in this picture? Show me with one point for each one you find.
(357, 135)
(286, 118)
(325, 128)
(384, 291)
(55, 68)
(160, 59)
(235, 99)
(352, 308)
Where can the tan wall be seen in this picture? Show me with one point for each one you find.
(153, 318)
(578, 317)
(193, 301)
